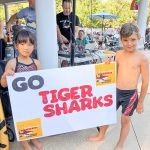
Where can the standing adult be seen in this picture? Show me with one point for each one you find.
(28, 14)
(64, 22)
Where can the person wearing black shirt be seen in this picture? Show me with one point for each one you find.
(64, 22)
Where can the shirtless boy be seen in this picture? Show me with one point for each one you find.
(131, 64)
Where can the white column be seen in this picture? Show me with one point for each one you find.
(142, 21)
(46, 33)
(6, 12)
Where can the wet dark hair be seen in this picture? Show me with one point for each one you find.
(128, 29)
(24, 36)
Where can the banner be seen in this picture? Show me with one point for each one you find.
(55, 101)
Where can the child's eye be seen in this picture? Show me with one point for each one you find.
(133, 39)
(30, 44)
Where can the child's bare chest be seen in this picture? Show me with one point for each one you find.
(129, 64)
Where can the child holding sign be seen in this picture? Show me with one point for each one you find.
(131, 63)
(24, 42)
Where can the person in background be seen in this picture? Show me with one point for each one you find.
(2, 41)
(147, 36)
(1, 29)
(29, 15)
(16, 28)
(82, 40)
(64, 22)
(131, 63)
(24, 42)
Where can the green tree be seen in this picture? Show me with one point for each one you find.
(14, 8)
(85, 8)
(121, 8)
(2, 15)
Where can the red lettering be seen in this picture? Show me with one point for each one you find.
(86, 103)
(80, 99)
(108, 99)
(44, 96)
(97, 102)
(59, 109)
(54, 97)
(86, 91)
(49, 110)
(74, 106)
(63, 94)
(74, 93)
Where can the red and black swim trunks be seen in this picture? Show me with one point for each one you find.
(128, 99)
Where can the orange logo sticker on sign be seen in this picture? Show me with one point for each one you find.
(105, 74)
(29, 129)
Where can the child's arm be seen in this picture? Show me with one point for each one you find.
(145, 80)
(9, 71)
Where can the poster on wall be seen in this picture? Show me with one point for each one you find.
(54, 101)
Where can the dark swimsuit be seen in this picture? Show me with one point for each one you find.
(20, 67)
(128, 99)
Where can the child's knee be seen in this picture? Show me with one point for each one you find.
(125, 120)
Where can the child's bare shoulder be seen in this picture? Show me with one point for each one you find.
(11, 64)
(38, 64)
(143, 55)
(119, 52)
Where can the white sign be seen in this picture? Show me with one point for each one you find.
(54, 101)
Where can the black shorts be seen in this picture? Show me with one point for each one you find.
(128, 99)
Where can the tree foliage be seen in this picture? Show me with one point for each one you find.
(2, 15)
(121, 8)
(85, 8)
(13, 8)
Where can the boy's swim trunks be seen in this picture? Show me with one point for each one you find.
(128, 99)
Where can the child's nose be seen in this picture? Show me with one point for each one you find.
(26, 46)
(129, 43)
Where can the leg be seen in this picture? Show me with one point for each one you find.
(125, 127)
(26, 145)
(37, 144)
(100, 135)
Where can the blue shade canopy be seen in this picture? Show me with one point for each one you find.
(103, 15)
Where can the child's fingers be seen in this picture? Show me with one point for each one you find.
(108, 60)
(139, 111)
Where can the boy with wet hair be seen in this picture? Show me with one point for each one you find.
(131, 64)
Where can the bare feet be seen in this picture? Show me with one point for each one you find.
(98, 137)
(118, 147)
(26, 145)
(37, 144)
